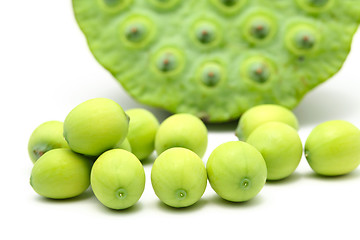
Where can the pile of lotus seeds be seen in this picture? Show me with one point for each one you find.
(101, 145)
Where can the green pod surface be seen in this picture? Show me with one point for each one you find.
(118, 179)
(333, 148)
(225, 57)
(236, 171)
(280, 146)
(178, 177)
(60, 173)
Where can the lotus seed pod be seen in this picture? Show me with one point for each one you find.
(143, 126)
(236, 171)
(118, 179)
(124, 145)
(333, 148)
(47, 136)
(95, 126)
(265, 52)
(60, 173)
(261, 114)
(178, 177)
(280, 146)
(182, 130)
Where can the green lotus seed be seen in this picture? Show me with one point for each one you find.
(45, 137)
(182, 130)
(124, 145)
(280, 146)
(178, 177)
(333, 148)
(95, 126)
(258, 115)
(143, 126)
(60, 173)
(118, 179)
(236, 171)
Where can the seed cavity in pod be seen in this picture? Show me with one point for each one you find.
(259, 26)
(164, 4)
(166, 62)
(114, 5)
(229, 7)
(260, 29)
(180, 194)
(318, 3)
(258, 70)
(169, 61)
(302, 39)
(137, 31)
(229, 2)
(211, 74)
(205, 33)
(316, 6)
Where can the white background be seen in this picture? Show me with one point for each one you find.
(46, 69)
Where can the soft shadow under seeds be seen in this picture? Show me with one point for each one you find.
(294, 177)
(195, 207)
(352, 175)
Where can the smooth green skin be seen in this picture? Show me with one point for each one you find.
(293, 71)
(61, 173)
(178, 177)
(143, 126)
(258, 115)
(118, 179)
(182, 130)
(95, 126)
(124, 145)
(47, 136)
(280, 146)
(333, 148)
(236, 171)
